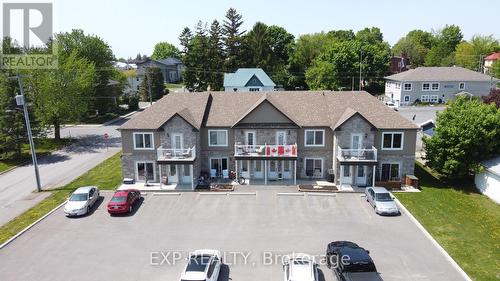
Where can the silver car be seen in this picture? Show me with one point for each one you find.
(81, 201)
(382, 201)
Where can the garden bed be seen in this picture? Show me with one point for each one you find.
(317, 188)
(214, 187)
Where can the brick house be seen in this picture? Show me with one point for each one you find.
(269, 137)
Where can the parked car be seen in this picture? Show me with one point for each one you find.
(203, 265)
(382, 201)
(350, 262)
(81, 201)
(392, 105)
(123, 201)
(300, 267)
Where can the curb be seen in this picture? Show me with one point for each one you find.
(31, 225)
(434, 242)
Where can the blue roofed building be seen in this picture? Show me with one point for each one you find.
(248, 80)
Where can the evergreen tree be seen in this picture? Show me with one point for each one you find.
(215, 56)
(153, 85)
(232, 39)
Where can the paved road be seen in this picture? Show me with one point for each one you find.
(262, 227)
(57, 169)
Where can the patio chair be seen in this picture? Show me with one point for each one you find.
(213, 173)
(260, 150)
(186, 154)
(225, 174)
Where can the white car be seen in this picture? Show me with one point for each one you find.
(392, 105)
(300, 267)
(382, 201)
(202, 265)
(81, 201)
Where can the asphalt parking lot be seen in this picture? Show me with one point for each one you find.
(261, 227)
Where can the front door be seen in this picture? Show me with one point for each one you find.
(145, 171)
(314, 167)
(361, 175)
(245, 168)
(273, 170)
(287, 169)
(250, 138)
(177, 144)
(258, 169)
(281, 137)
(347, 174)
(172, 174)
(186, 173)
(217, 165)
(356, 141)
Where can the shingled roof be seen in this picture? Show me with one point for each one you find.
(305, 108)
(429, 74)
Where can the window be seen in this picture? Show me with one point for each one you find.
(145, 171)
(217, 137)
(143, 141)
(217, 165)
(390, 172)
(398, 86)
(407, 98)
(314, 137)
(254, 89)
(407, 86)
(426, 86)
(435, 86)
(392, 141)
(424, 98)
(434, 98)
(461, 86)
(314, 167)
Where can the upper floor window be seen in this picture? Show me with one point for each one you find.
(407, 86)
(314, 137)
(435, 87)
(392, 141)
(143, 141)
(217, 137)
(426, 86)
(398, 86)
(461, 86)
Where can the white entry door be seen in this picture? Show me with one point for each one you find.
(177, 141)
(281, 137)
(245, 168)
(356, 141)
(258, 169)
(361, 175)
(186, 173)
(347, 174)
(172, 174)
(273, 170)
(287, 169)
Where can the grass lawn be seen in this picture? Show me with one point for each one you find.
(173, 86)
(43, 146)
(466, 224)
(106, 176)
(105, 117)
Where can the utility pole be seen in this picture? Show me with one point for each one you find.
(21, 101)
(360, 69)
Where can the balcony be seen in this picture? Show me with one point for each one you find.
(265, 151)
(357, 155)
(176, 156)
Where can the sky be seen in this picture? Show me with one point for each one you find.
(132, 27)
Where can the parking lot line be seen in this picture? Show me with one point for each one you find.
(289, 194)
(242, 193)
(321, 194)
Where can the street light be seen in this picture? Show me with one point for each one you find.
(20, 101)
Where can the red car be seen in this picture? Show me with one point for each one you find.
(123, 201)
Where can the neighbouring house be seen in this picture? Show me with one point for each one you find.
(269, 137)
(171, 69)
(488, 182)
(489, 60)
(248, 80)
(436, 84)
(398, 64)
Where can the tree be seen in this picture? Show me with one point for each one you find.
(197, 72)
(12, 130)
(495, 70)
(98, 52)
(215, 56)
(444, 46)
(466, 133)
(258, 44)
(469, 54)
(415, 46)
(165, 50)
(493, 97)
(232, 39)
(184, 38)
(152, 86)
(62, 95)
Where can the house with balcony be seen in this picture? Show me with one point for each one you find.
(436, 85)
(276, 137)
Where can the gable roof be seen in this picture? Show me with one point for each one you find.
(257, 104)
(429, 74)
(305, 108)
(493, 56)
(241, 77)
(190, 107)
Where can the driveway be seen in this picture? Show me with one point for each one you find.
(57, 169)
(260, 227)
(420, 114)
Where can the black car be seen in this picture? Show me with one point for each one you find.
(351, 262)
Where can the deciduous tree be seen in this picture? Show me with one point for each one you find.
(165, 50)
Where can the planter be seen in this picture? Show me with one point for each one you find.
(317, 188)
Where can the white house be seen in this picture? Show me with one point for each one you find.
(248, 80)
(488, 182)
(436, 84)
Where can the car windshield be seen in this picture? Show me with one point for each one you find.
(118, 199)
(197, 263)
(78, 197)
(383, 197)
